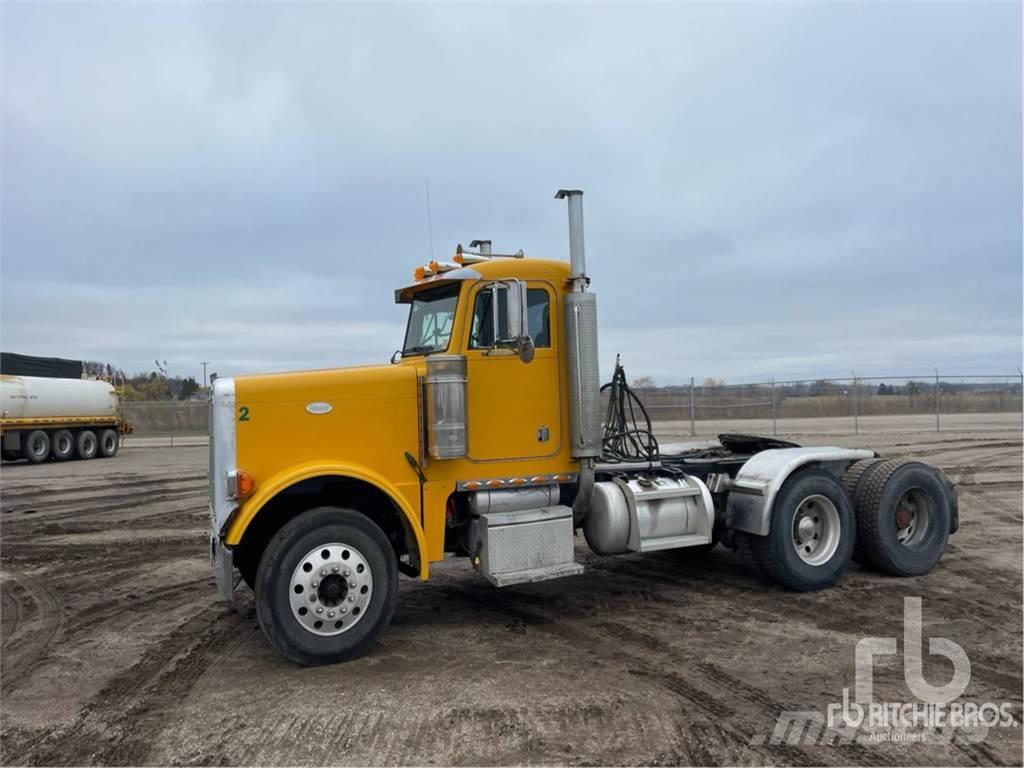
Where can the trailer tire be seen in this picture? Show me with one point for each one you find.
(35, 446)
(109, 443)
(86, 444)
(812, 533)
(62, 444)
(321, 633)
(853, 482)
(919, 497)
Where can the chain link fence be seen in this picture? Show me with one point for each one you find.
(839, 405)
(822, 406)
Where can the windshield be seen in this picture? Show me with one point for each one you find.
(430, 320)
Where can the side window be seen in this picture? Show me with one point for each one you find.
(538, 311)
(482, 334)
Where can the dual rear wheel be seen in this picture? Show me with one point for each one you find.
(894, 516)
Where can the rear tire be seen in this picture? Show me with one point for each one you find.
(109, 443)
(745, 552)
(35, 446)
(812, 533)
(904, 516)
(352, 592)
(86, 444)
(853, 482)
(62, 445)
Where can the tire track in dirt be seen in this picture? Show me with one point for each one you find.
(607, 639)
(107, 608)
(38, 624)
(120, 723)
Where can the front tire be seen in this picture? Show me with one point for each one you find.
(812, 533)
(326, 586)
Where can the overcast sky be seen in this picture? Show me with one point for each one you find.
(771, 189)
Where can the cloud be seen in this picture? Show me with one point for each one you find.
(781, 189)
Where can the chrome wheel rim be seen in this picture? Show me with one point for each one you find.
(330, 589)
(63, 445)
(912, 517)
(816, 530)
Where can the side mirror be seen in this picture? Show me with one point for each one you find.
(525, 349)
(509, 319)
(515, 309)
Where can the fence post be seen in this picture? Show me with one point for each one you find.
(775, 422)
(856, 414)
(1021, 398)
(693, 427)
(937, 401)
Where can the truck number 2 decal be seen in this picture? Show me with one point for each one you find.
(243, 413)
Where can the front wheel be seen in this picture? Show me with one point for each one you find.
(812, 533)
(326, 586)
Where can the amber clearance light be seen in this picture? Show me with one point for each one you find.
(240, 484)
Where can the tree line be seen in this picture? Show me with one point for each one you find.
(156, 384)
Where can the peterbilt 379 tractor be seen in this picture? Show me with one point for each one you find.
(490, 436)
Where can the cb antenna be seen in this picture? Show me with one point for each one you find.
(430, 224)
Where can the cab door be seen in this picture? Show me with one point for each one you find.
(514, 409)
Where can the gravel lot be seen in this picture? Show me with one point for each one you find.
(114, 649)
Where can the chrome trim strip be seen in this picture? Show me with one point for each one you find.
(505, 482)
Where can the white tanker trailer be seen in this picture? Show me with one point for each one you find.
(43, 417)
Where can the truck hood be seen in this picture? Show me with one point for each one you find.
(334, 386)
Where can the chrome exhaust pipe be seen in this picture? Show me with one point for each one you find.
(577, 251)
(581, 354)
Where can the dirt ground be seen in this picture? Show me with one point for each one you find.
(115, 651)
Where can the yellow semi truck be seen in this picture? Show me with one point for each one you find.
(489, 436)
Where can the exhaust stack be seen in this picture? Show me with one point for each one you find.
(581, 353)
(577, 251)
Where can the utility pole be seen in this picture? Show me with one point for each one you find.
(205, 363)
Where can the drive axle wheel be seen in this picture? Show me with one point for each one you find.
(326, 586)
(853, 483)
(811, 537)
(904, 516)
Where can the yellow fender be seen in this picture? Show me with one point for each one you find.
(269, 489)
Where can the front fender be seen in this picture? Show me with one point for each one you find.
(753, 490)
(268, 489)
